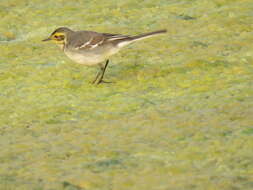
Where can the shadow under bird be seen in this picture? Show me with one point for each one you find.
(92, 48)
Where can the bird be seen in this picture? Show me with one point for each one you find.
(91, 48)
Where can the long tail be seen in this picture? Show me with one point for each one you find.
(147, 35)
(127, 40)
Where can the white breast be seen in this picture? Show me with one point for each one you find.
(90, 58)
(85, 59)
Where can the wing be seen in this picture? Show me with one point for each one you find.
(83, 40)
(87, 40)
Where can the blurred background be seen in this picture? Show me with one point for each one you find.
(178, 115)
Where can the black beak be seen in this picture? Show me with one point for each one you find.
(46, 39)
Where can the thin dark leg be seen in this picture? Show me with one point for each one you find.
(103, 72)
(98, 74)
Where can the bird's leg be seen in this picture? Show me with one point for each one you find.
(99, 73)
(103, 72)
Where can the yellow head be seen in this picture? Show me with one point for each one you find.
(59, 36)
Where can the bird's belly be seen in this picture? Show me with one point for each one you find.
(85, 59)
(89, 58)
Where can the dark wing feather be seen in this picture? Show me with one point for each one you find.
(116, 37)
(84, 40)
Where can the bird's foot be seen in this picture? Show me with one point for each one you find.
(102, 81)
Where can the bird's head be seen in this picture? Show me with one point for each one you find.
(59, 36)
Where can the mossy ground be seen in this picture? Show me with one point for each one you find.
(179, 115)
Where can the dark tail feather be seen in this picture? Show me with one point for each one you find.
(148, 34)
(129, 39)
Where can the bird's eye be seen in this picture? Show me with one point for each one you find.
(59, 38)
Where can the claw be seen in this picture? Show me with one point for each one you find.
(102, 81)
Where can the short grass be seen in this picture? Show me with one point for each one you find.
(179, 115)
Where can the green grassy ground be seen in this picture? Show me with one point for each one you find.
(179, 115)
